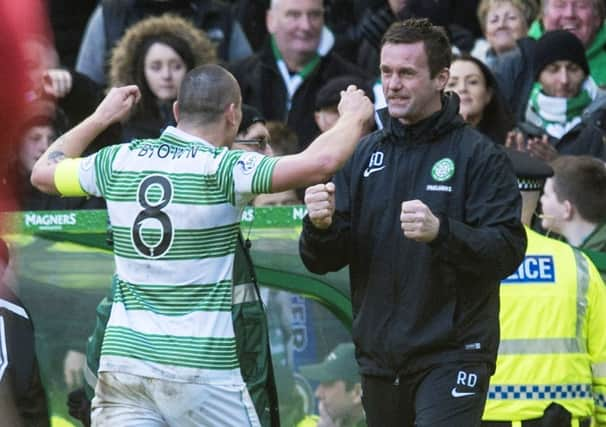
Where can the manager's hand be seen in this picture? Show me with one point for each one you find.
(418, 222)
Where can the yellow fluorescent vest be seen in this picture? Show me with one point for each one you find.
(553, 336)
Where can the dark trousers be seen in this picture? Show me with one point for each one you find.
(450, 395)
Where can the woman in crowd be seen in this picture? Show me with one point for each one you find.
(155, 54)
(480, 102)
(503, 22)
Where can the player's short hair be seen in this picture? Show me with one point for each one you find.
(205, 93)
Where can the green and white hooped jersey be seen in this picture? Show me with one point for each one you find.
(174, 204)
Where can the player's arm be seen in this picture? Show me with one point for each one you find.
(114, 107)
(329, 151)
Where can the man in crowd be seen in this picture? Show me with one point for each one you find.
(339, 391)
(282, 79)
(584, 18)
(427, 218)
(174, 204)
(551, 366)
(566, 108)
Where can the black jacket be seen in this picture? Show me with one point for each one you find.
(514, 72)
(417, 304)
(587, 138)
(263, 88)
(20, 383)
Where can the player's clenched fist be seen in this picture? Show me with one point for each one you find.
(418, 222)
(320, 203)
(354, 101)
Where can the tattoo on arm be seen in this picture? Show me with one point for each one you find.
(55, 156)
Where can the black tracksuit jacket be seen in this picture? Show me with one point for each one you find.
(416, 305)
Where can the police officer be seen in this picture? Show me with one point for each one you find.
(551, 365)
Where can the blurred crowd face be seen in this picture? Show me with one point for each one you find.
(40, 56)
(396, 6)
(296, 25)
(504, 25)
(468, 81)
(257, 139)
(326, 118)
(336, 400)
(409, 90)
(554, 211)
(283, 198)
(562, 79)
(34, 143)
(580, 17)
(164, 71)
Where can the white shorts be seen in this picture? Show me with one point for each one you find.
(130, 400)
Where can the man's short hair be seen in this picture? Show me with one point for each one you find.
(598, 6)
(434, 38)
(582, 181)
(205, 93)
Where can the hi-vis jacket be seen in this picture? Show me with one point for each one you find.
(553, 336)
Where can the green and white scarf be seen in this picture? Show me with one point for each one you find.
(558, 115)
(292, 82)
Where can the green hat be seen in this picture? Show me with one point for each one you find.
(340, 364)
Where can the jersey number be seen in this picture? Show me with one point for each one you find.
(153, 211)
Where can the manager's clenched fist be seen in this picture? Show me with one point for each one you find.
(418, 222)
(320, 203)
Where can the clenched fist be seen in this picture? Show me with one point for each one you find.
(418, 222)
(320, 203)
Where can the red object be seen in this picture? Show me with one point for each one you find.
(19, 21)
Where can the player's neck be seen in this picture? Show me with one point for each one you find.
(213, 134)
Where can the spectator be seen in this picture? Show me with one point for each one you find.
(425, 300)
(283, 141)
(19, 22)
(155, 54)
(516, 72)
(503, 22)
(283, 198)
(481, 104)
(339, 391)
(22, 397)
(574, 202)
(43, 126)
(553, 341)
(292, 400)
(327, 99)
(282, 79)
(75, 95)
(111, 18)
(253, 134)
(566, 108)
